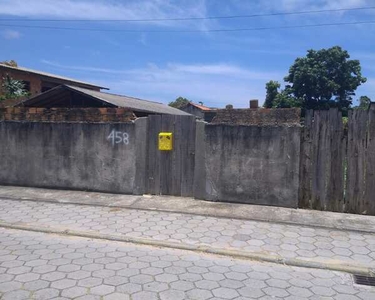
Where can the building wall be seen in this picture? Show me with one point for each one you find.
(248, 164)
(35, 81)
(190, 109)
(96, 157)
(38, 82)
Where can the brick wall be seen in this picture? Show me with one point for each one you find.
(277, 116)
(95, 115)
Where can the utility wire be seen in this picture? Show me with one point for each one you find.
(189, 31)
(194, 18)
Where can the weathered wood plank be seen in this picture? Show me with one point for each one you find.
(188, 157)
(335, 179)
(167, 125)
(356, 161)
(153, 182)
(141, 161)
(369, 192)
(176, 157)
(321, 165)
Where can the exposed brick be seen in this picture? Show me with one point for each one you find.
(33, 114)
(263, 117)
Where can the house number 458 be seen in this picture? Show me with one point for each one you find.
(118, 137)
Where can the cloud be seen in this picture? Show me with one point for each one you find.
(107, 10)
(11, 34)
(214, 84)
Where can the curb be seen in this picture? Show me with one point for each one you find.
(256, 256)
(264, 220)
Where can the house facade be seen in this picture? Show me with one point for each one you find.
(37, 82)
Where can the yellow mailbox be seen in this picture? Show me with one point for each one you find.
(165, 141)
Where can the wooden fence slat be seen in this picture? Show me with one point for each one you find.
(369, 192)
(167, 125)
(335, 180)
(321, 165)
(356, 161)
(153, 180)
(176, 157)
(188, 157)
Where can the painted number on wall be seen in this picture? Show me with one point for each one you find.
(118, 137)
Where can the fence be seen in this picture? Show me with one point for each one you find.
(324, 165)
(337, 167)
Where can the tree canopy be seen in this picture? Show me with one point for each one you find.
(272, 91)
(322, 79)
(325, 78)
(179, 102)
(364, 103)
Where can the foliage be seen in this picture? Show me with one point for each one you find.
(285, 100)
(364, 103)
(229, 106)
(325, 78)
(272, 92)
(13, 88)
(179, 102)
(11, 63)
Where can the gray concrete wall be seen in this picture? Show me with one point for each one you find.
(250, 164)
(68, 156)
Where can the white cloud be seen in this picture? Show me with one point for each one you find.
(107, 10)
(11, 34)
(214, 84)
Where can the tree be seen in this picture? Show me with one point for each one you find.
(324, 78)
(285, 100)
(364, 103)
(179, 102)
(229, 106)
(11, 63)
(12, 88)
(272, 91)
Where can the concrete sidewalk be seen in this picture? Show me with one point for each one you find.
(312, 218)
(296, 245)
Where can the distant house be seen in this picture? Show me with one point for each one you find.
(202, 112)
(37, 82)
(68, 96)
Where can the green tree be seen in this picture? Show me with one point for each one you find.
(364, 103)
(272, 92)
(12, 88)
(325, 78)
(284, 99)
(179, 102)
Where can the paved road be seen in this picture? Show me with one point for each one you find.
(288, 241)
(44, 266)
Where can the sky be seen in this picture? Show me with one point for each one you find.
(216, 68)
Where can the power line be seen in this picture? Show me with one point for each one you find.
(195, 18)
(189, 31)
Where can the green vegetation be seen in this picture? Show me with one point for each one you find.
(320, 80)
(179, 102)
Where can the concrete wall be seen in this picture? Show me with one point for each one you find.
(68, 156)
(249, 164)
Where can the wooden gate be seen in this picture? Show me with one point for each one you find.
(171, 172)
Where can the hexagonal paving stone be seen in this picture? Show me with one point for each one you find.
(172, 295)
(102, 289)
(225, 293)
(129, 288)
(74, 292)
(63, 283)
